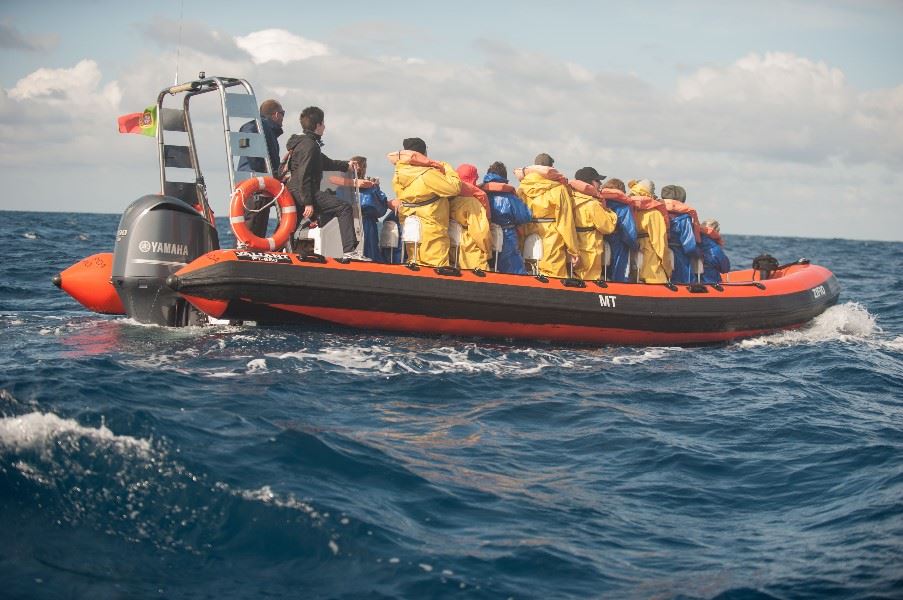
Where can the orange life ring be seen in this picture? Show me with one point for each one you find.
(287, 220)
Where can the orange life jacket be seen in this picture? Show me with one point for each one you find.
(715, 235)
(676, 207)
(550, 173)
(586, 188)
(469, 189)
(495, 187)
(412, 157)
(648, 203)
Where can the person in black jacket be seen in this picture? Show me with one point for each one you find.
(306, 166)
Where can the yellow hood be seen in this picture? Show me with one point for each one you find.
(419, 182)
(534, 185)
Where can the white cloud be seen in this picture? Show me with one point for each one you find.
(279, 45)
(75, 86)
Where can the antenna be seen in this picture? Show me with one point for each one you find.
(179, 47)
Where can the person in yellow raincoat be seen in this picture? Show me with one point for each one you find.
(424, 192)
(473, 252)
(592, 220)
(652, 233)
(552, 206)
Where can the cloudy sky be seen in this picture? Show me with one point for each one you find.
(780, 117)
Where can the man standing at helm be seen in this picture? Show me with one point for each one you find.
(423, 192)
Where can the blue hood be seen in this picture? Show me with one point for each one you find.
(492, 177)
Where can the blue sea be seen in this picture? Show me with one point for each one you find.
(248, 462)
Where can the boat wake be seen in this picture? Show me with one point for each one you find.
(850, 322)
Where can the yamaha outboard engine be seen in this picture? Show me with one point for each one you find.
(157, 236)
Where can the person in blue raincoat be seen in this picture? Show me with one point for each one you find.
(714, 260)
(681, 236)
(374, 205)
(624, 239)
(508, 211)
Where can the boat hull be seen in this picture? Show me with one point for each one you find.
(274, 288)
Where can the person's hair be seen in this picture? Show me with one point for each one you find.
(543, 160)
(614, 184)
(713, 224)
(362, 161)
(311, 117)
(499, 169)
(414, 143)
(268, 108)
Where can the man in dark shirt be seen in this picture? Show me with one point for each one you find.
(306, 165)
(271, 115)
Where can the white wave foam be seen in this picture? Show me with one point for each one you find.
(266, 495)
(30, 235)
(849, 322)
(258, 365)
(468, 359)
(42, 432)
(645, 355)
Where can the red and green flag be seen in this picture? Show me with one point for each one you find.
(144, 123)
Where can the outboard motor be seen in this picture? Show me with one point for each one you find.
(157, 236)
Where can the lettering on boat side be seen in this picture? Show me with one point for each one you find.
(265, 257)
(163, 248)
(606, 301)
(818, 292)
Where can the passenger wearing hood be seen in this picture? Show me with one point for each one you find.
(466, 209)
(423, 191)
(508, 212)
(552, 206)
(624, 239)
(714, 260)
(592, 220)
(652, 227)
(682, 231)
(306, 165)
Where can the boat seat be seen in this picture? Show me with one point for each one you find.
(497, 236)
(698, 268)
(327, 239)
(410, 234)
(389, 238)
(606, 260)
(455, 231)
(533, 250)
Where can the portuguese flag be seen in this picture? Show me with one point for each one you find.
(144, 123)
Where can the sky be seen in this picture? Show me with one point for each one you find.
(779, 117)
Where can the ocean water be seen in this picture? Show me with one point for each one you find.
(244, 462)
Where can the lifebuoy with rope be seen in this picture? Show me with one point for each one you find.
(288, 213)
